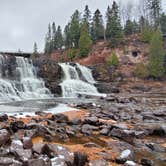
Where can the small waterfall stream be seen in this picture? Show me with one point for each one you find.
(18, 80)
(78, 80)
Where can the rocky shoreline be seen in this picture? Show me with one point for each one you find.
(121, 129)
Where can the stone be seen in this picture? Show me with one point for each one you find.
(80, 159)
(146, 162)
(130, 163)
(87, 129)
(91, 145)
(92, 121)
(60, 118)
(4, 137)
(35, 162)
(3, 117)
(105, 131)
(6, 161)
(125, 135)
(17, 125)
(156, 147)
(27, 143)
(38, 148)
(99, 163)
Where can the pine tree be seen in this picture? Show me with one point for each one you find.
(156, 63)
(97, 27)
(54, 37)
(84, 41)
(48, 41)
(35, 49)
(67, 36)
(75, 29)
(113, 28)
(129, 27)
(59, 38)
(154, 7)
(163, 23)
(87, 17)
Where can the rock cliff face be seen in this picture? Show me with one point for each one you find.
(51, 72)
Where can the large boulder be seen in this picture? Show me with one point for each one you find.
(51, 72)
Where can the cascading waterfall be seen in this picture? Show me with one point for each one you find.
(22, 83)
(78, 80)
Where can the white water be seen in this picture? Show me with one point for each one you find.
(24, 85)
(73, 85)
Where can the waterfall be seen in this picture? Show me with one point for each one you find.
(78, 80)
(18, 80)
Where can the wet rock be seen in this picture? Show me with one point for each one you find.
(156, 147)
(6, 161)
(124, 156)
(17, 125)
(130, 163)
(76, 121)
(3, 117)
(105, 131)
(91, 144)
(60, 118)
(147, 162)
(125, 135)
(87, 129)
(38, 148)
(99, 163)
(4, 137)
(35, 162)
(27, 143)
(142, 88)
(80, 159)
(91, 120)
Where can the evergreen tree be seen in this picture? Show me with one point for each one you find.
(97, 28)
(163, 23)
(156, 64)
(48, 41)
(84, 41)
(75, 29)
(59, 38)
(87, 17)
(113, 28)
(154, 7)
(67, 36)
(54, 37)
(35, 49)
(129, 27)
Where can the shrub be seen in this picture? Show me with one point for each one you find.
(141, 71)
(113, 60)
(147, 34)
(72, 53)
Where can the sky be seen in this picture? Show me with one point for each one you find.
(23, 22)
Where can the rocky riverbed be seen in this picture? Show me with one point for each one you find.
(127, 128)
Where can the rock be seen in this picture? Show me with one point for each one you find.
(156, 147)
(130, 163)
(142, 88)
(76, 121)
(35, 162)
(16, 144)
(17, 125)
(27, 143)
(6, 161)
(99, 163)
(87, 129)
(146, 162)
(92, 121)
(105, 131)
(4, 137)
(125, 135)
(3, 117)
(80, 159)
(60, 118)
(51, 72)
(38, 148)
(124, 156)
(91, 145)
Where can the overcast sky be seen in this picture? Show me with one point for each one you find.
(23, 22)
